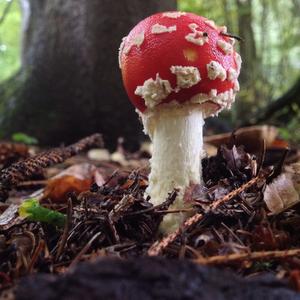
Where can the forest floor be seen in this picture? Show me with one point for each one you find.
(84, 206)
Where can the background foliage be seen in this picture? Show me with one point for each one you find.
(10, 40)
(270, 50)
(271, 54)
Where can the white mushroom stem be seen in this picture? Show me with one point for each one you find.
(176, 134)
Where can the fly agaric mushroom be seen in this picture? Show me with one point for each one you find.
(178, 68)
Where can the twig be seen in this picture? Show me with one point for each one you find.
(158, 247)
(236, 257)
(64, 236)
(84, 249)
(115, 235)
(120, 208)
(277, 106)
(174, 211)
(24, 170)
(232, 36)
(32, 183)
(262, 157)
(278, 168)
(216, 204)
(117, 213)
(38, 250)
(171, 198)
(233, 234)
(114, 174)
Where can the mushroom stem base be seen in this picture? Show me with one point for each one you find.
(176, 160)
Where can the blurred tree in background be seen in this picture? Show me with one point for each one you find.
(10, 28)
(69, 83)
(270, 78)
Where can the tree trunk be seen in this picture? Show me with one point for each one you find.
(69, 84)
(248, 47)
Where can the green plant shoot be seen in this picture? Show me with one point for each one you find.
(20, 137)
(32, 210)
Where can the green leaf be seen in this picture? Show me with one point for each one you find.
(32, 210)
(20, 137)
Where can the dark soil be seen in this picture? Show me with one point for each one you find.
(150, 278)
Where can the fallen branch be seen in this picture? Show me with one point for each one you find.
(24, 170)
(158, 247)
(216, 204)
(253, 256)
(286, 100)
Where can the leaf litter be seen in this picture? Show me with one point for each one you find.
(106, 213)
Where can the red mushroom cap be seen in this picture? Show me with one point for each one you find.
(187, 56)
